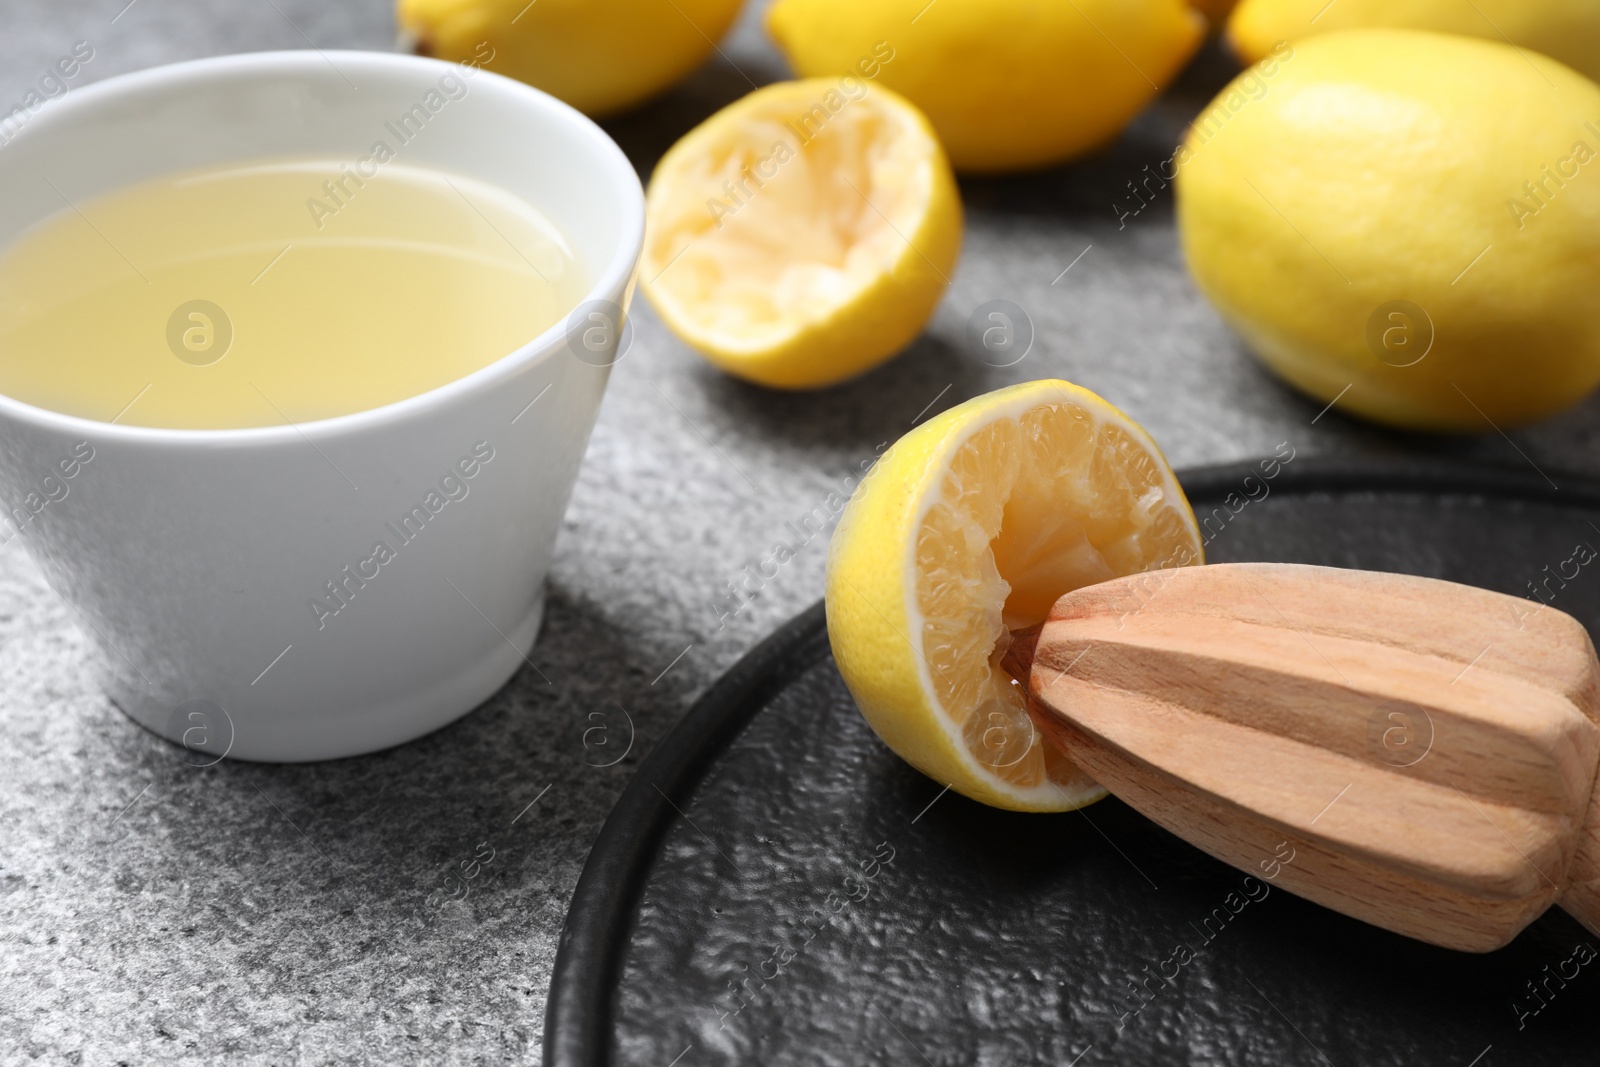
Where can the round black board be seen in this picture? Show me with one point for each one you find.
(775, 887)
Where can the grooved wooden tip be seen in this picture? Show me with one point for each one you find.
(1018, 658)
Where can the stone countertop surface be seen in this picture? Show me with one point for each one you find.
(155, 912)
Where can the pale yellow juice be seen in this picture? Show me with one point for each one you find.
(274, 292)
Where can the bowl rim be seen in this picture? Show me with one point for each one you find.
(615, 278)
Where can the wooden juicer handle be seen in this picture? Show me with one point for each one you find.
(1426, 750)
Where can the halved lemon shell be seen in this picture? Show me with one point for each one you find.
(970, 527)
(804, 233)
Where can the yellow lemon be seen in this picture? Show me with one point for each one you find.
(1009, 84)
(1405, 222)
(969, 527)
(600, 56)
(1562, 29)
(802, 234)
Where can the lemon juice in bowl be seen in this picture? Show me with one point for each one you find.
(260, 293)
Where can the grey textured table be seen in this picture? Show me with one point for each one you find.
(155, 912)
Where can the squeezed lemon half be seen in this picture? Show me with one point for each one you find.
(969, 527)
(802, 234)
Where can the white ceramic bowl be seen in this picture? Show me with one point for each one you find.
(195, 559)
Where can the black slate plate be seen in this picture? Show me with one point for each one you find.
(775, 887)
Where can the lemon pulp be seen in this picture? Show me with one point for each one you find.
(1029, 509)
(802, 234)
(971, 526)
(774, 251)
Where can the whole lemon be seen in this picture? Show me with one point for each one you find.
(1568, 30)
(600, 56)
(1405, 222)
(1008, 84)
